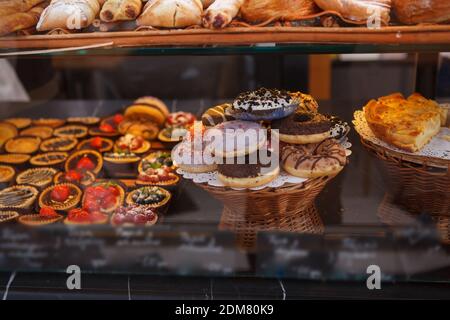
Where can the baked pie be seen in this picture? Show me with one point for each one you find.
(88, 121)
(6, 216)
(81, 217)
(25, 145)
(408, 124)
(6, 173)
(7, 131)
(153, 197)
(104, 196)
(49, 122)
(85, 160)
(46, 216)
(19, 123)
(85, 178)
(63, 196)
(20, 197)
(49, 159)
(43, 132)
(38, 177)
(72, 131)
(59, 144)
(99, 144)
(14, 158)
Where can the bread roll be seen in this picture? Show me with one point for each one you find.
(119, 10)
(422, 11)
(21, 20)
(8, 7)
(221, 13)
(171, 13)
(254, 11)
(68, 14)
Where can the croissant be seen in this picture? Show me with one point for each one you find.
(358, 10)
(221, 13)
(420, 11)
(171, 13)
(21, 20)
(68, 14)
(263, 10)
(8, 7)
(118, 10)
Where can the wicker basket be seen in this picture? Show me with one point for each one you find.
(419, 184)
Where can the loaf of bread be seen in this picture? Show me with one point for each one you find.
(171, 13)
(9, 7)
(119, 10)
(422, 11)
(255, 11)
(21, 20)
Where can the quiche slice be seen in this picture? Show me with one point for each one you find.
(408, 124)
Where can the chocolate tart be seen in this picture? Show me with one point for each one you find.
(49, 122)
(18, 197)
(99, 197)
(87, 178)
(6, 216)
(6, 174)
(49, 159)
(97, 132)
(87, 121)
(58, 144)
(72, 131)
(132, 216)
(7, 131)
(37, 220)
(107, 145)
(121, 165)
(74, 159)
(43, 132)
(75, 193)
(26, 145)
(38, 177)
(153, 197)
(19, 123)
(14, 158)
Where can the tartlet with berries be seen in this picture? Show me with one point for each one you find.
(85, 160)
(98, 143)
(149, 196)
(103, 196)
(61, 197)
(109, 127)
(81, 177)
(134, 215)
(83, 217)
(130, 143)
(45, 217)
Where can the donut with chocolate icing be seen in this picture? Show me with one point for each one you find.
(216, 115)
(326, 158)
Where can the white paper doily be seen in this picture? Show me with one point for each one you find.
(438, 147)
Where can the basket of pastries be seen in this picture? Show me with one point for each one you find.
(411, 137)
(266, 156)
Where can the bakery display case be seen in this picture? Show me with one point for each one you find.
(304, 140)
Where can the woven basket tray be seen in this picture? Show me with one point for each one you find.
(415, 182)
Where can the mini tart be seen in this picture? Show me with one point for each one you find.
(37, 220)
(43, 132)
(142, 149)
(19, 197)
(26, 145)
(14, 158)
(94, 156)
(172, 134)
(160, 157)
(97, 132)
(121, 158)
(38, 177)
(88, 121)
(6, 173)
(59, 144)
(90, 192)
(131, 197)
(49, 159)
(130, 216)
(7, 131)
(174, 179)
(87, 179)
(49, 122)
(19, 123)
(73, 131)
(45, 199)
(6, 216)
(103, 219)
(107, 145)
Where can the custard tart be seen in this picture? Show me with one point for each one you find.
(59, 144)
(20, 197)
(38, 177)
(26, 145)
(61, 197)
(72, 131)
(85, 160)
(84, 178)
(46, 216)
(19, 123)
(88, 121)
(99, 144)
(6, 216)
(7, 131)
(6, 173)
(49, 159)
(43, 132)
(50, 122)
(14, 158)
(153, 197)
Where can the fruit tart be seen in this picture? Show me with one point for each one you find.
(85, 160)
(134, 215)
(98, 143)
(121, 164)
(72, 131)
(49, 122)
(61, 197)
(104, 197)
(18, 197)
(82, 177)
(132, 144)
(58, 144)
(43, 132)
(156, 160)
(108, 127)
(19, 123)
(7, 131)
(46, 216)
(85, 217)
(6, 174)
(162, 176)
(38, 177)
(153, 197)
(180, 119)
(49, 159)
(6, 216)
(172, 134)
(23, 144)
(142, 127)
(87, 121)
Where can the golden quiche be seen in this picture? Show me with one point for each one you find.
(408, 124)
